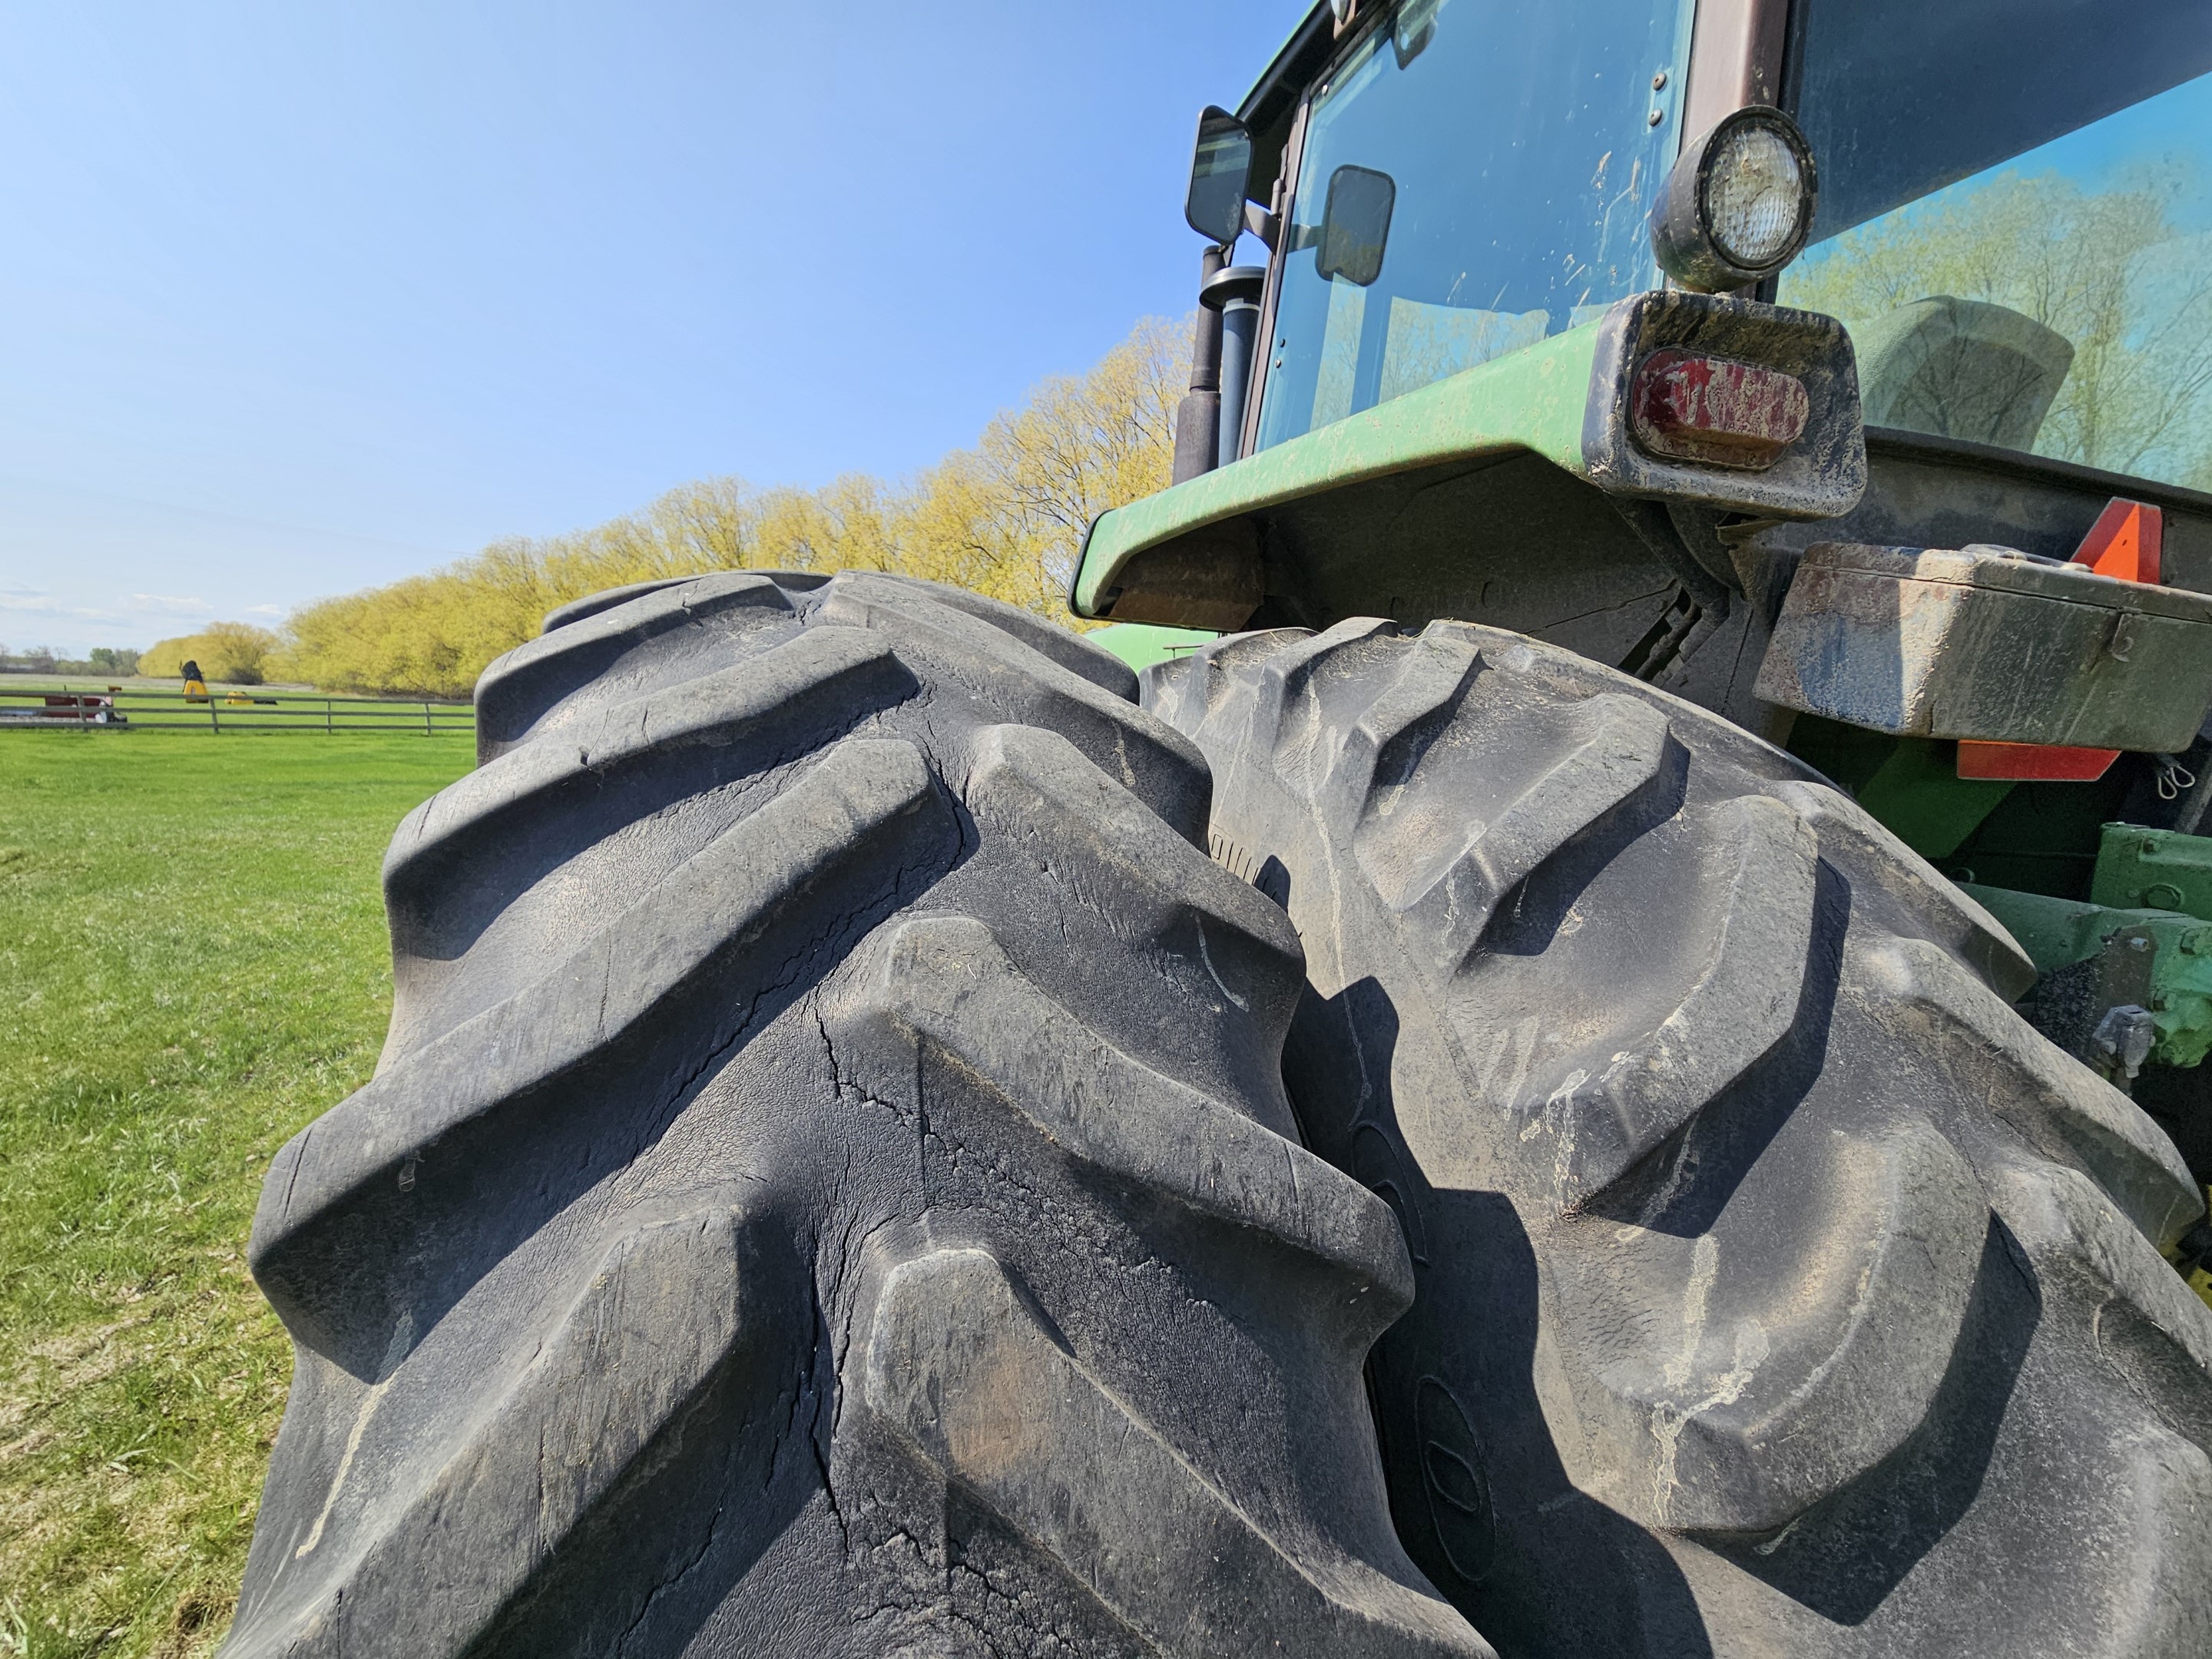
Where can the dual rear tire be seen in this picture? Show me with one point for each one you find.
(831, 1187)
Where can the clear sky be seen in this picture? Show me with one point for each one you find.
(294, 299)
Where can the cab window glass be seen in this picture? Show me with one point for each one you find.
(2058, 301)
(1521, 154)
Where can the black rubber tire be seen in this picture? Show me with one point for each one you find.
(826, 1190)
(1780, 1291)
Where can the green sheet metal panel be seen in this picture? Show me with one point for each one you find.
(1534, 399)
(1566, 398)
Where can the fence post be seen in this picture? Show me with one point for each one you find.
(330, 727)
(213, 724)
(426, 721)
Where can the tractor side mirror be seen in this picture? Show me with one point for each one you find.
(1356, 224)
(1220, 170)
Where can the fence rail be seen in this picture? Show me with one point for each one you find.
(66, 706)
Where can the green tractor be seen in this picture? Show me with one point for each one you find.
(1541, 399)
(1604, 1055)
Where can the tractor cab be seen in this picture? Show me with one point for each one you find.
(1842, 366)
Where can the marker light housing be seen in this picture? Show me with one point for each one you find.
(1739, 204)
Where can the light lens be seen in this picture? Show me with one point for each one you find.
(1717, 409)
(1753, 192)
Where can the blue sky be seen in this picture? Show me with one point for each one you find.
(298, 298)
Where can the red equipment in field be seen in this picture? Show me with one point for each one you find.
(65, 708)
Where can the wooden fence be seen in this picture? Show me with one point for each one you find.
(70, 706)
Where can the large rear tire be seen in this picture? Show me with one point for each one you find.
(826, 1189)
(1780, 1291)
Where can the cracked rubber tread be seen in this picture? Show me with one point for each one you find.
(828, 1189)
(1778, 1288)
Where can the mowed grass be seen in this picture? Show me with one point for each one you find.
(193, 964)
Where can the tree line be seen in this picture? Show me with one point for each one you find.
(40, 660)
(1005, 518)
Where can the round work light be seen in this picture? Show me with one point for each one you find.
(1738, 206)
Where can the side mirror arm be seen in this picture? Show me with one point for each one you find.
(1267, 226)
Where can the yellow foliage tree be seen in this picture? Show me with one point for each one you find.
(1006, 518)
(236, 654)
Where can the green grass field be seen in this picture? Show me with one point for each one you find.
(192, 965)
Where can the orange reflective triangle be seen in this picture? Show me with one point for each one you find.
(2124, 542)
